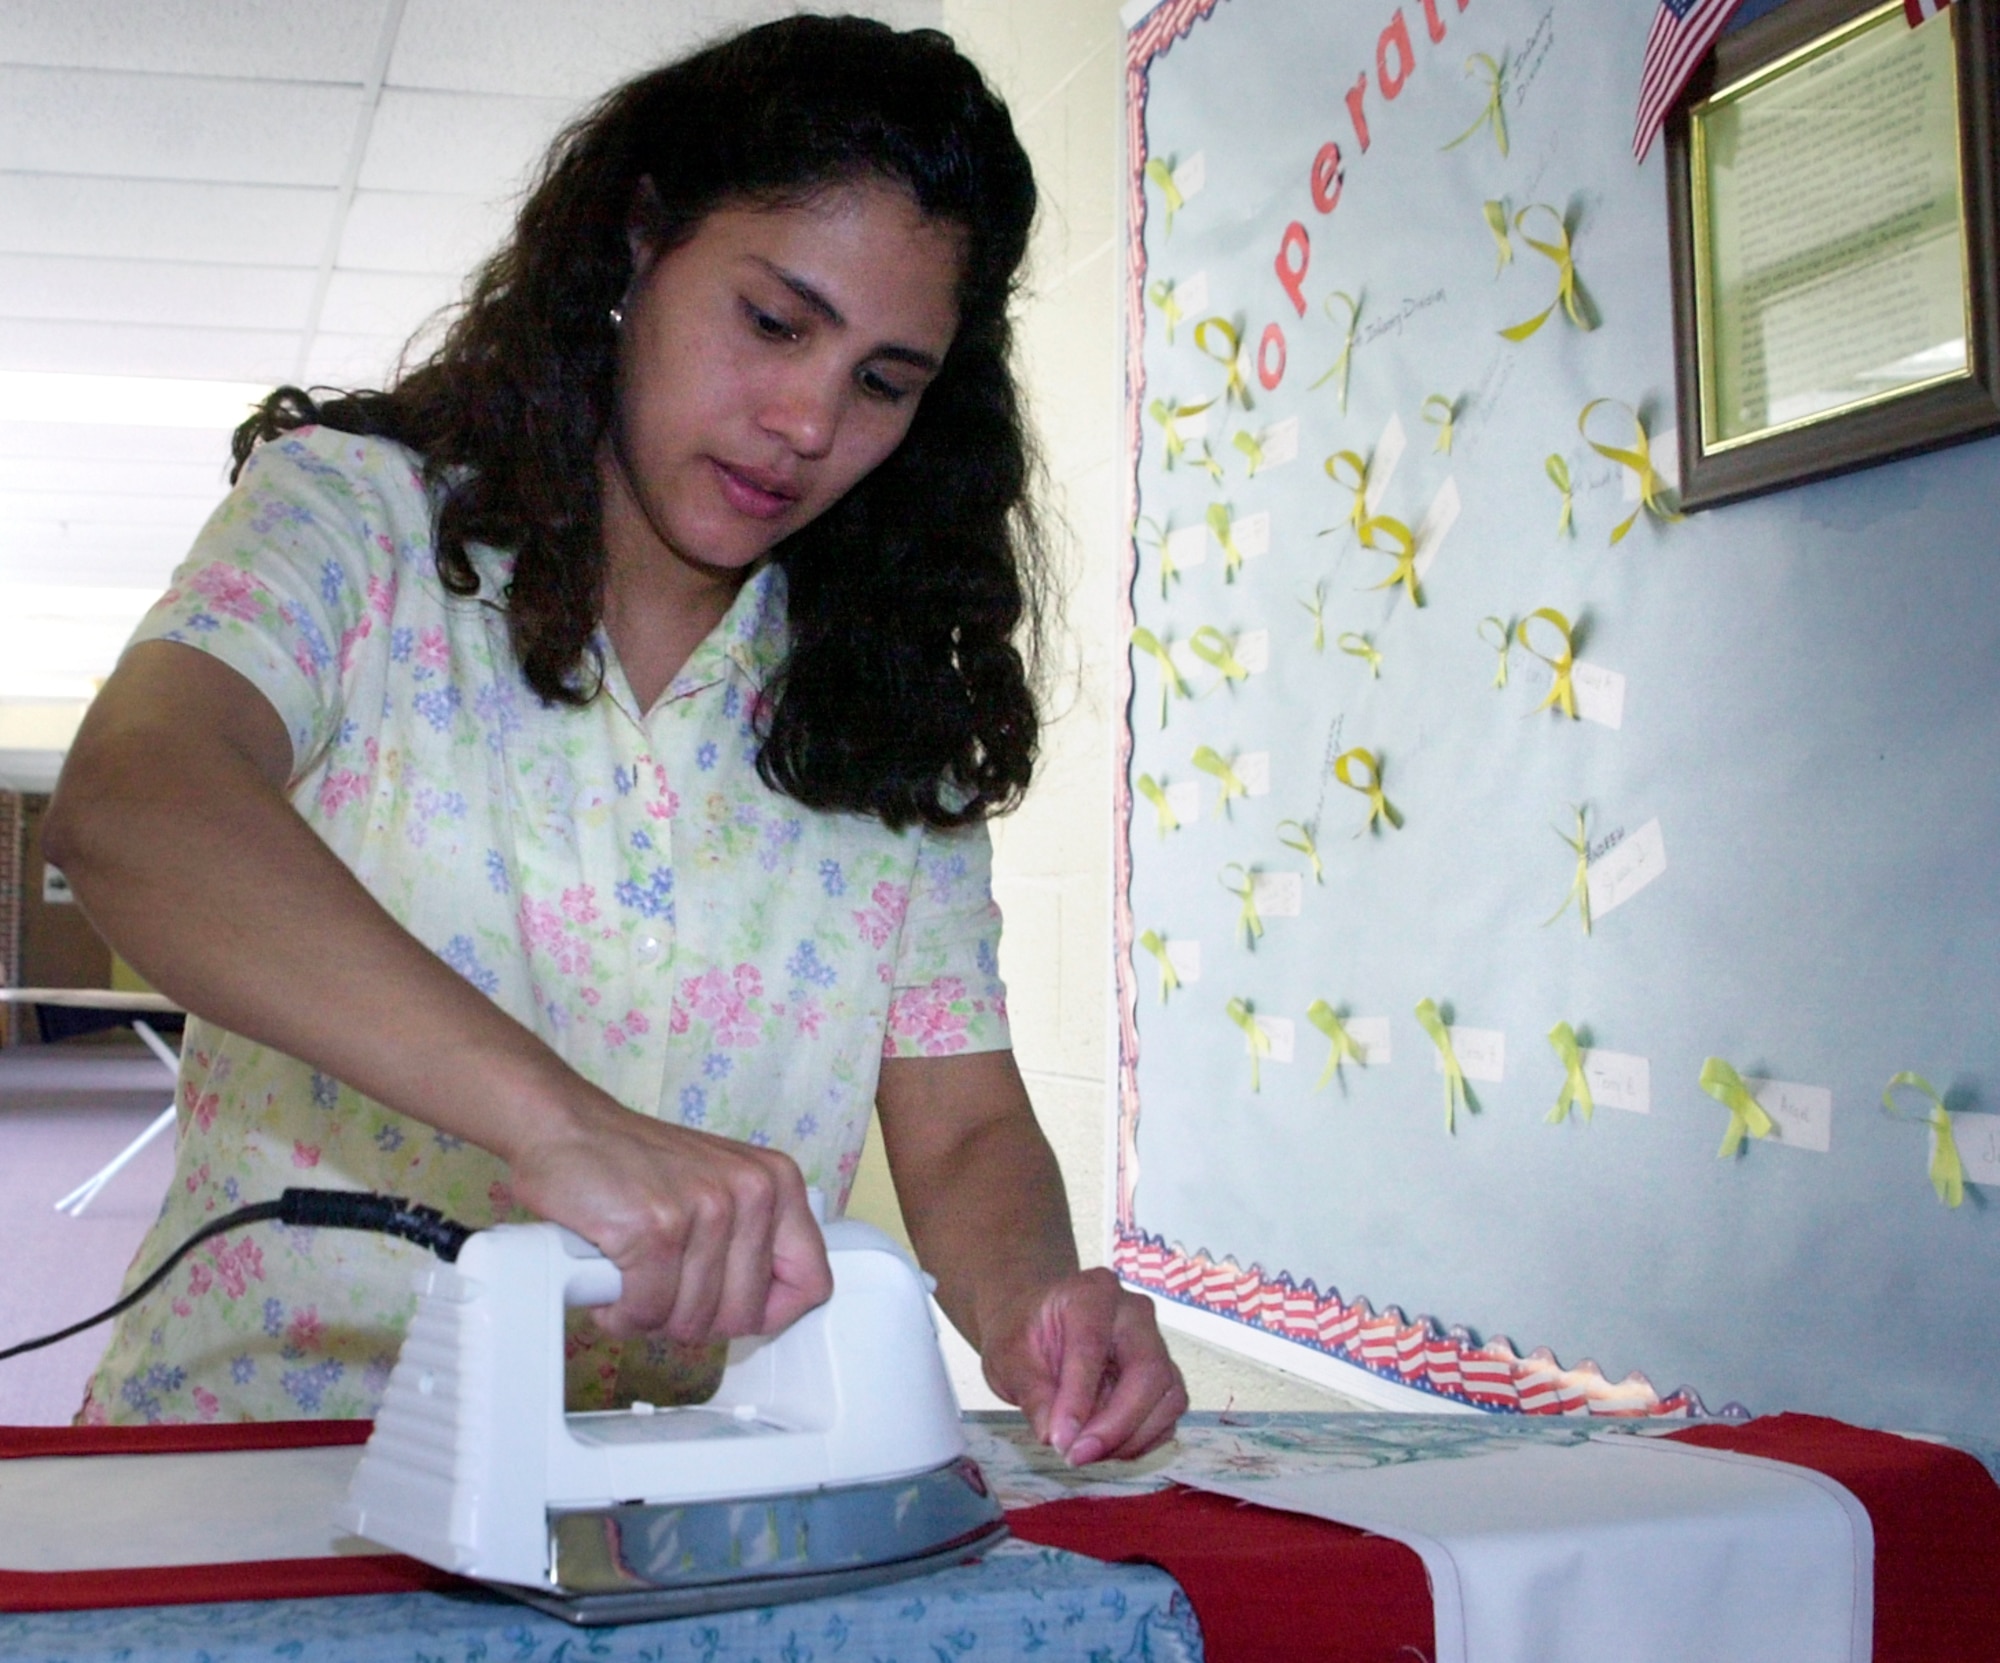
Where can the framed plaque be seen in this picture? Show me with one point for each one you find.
(1831, 186)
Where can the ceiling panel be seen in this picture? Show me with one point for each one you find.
(148, 349)
(329, 40)
(459, 143)
(103, 443)
(400, 232)
(130, 557)
(135, 219)
(154, 291)
(382, 302)
(24, 477)
(66, 121)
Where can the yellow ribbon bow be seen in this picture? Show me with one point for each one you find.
(1565, 263)
(1161, 293)
(1575, 1089)
(1149, 788)
(1557, 468)
(1169, 977)
(1496, 222)
(1501, 646)
(1146, 529)
(1379, 806)
(1947, 1170)
(1405, 553)
(1232, 556)
(1170, 675)
(1495, 114)
(1454, 1076)
(1254, 1036)
(1359, 646)
(1563, 691)
(1442, 422)
(1355, 464)
(1640, 460)
(1304, 844)
(1163, 176)
(1249, 918)
(1344, 361)
(1217, 651)
(1579, 889)
(1253, 450)
(1317, 607)
(1168, 412)
(1746, 1114)
(1235, 390)
(1325, 1018)
(1205, 459)
(1213, 762)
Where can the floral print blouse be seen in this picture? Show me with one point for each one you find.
(620, 881)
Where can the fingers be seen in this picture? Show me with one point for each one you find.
(1114, 1391)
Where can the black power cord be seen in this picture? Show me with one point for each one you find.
(388, 1215)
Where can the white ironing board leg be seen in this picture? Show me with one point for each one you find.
(86, 1192)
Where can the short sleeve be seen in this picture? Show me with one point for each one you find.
(948, 996)
(289, 572)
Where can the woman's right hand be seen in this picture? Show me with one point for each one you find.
(715, 1238)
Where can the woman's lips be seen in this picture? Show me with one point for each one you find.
(759, 496)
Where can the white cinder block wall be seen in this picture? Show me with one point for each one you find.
(1059, 64)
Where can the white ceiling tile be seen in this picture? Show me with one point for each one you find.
(329, 40)
(98, 445)
(258, 225)
(154, 291)
(459, 144)
(397, 231)
(131, 557)
(20, 510)
(136, 349)
(174, 127)
(534, 47)
(22, 476)
(383, 303)
(353, 360)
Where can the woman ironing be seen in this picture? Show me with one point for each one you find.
(558, 783)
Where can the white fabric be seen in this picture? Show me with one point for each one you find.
(129, 1512)
(1618, 1550)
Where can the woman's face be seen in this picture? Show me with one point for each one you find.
(766, 364)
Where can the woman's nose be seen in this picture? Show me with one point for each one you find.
(803, 409)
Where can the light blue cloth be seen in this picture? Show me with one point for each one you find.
(1020, 1601)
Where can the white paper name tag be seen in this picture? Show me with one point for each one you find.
(1382, 465)
(1481, 1053)
(1279, 443)
(1978, 1140)
(1191, 295)
(1253, 768)
(1371, 1033)
(1192, 425)
(1251, 534)
(1191, 176)
(1185, 800)
(1437, 522)
(1282, 1035)
(1188, 546)
(1185, 957)
(1600, 694)
(1253, 650)
(1616, 876)
(1278, 894)
(1618, 1081)
(1802, 1116)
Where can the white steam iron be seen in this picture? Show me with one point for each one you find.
(831, 1456)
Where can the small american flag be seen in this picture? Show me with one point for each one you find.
(1922, 11)
(1682, 32)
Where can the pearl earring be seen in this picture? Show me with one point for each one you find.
(617, 317)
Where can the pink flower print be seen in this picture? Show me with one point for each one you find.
(304, 1155)
(340, 787)
(589, 995)
(200, 1279)
(230, 590)
(382, 590)
(614, 1035)
(500, 1197)
(727, 1003)
(202, 1107)
(677, 1019)
(237, 1267)
(881, 920)
(807, 1019)
(182, 1308)
(924, 1017)
(541, 926)
(351, 637)
(206, 1403)
(432, 652)
(636, 1023)
(579, 905)
(197, 1178)
(303, 1331)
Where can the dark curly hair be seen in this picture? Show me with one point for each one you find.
(916, 602)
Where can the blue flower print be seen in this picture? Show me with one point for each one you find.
(494, 705)
(623, 780)
(694, 1106)
(496, 873)
(732, 701)
(716, 1065)
(438, 705)
(332, 579)
(987, 956)
(306, 1387)
(142, 1391)
(808, 1123)
(642, 840)
(704, 759)
(388, 1138)
(274, 1317)
(402, 642)
(310, 635)
(460, 954)
(655, 899)
(325, 1090)
(831, 878)
(205, 622)
(807, 966)
(243, 1369)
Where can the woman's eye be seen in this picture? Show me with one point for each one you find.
(769, 326)
(876, 386)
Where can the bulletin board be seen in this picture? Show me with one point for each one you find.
(1463, 780)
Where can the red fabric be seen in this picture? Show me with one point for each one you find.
(1936, 1514)
(1267, 1584)
(373, 1573)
